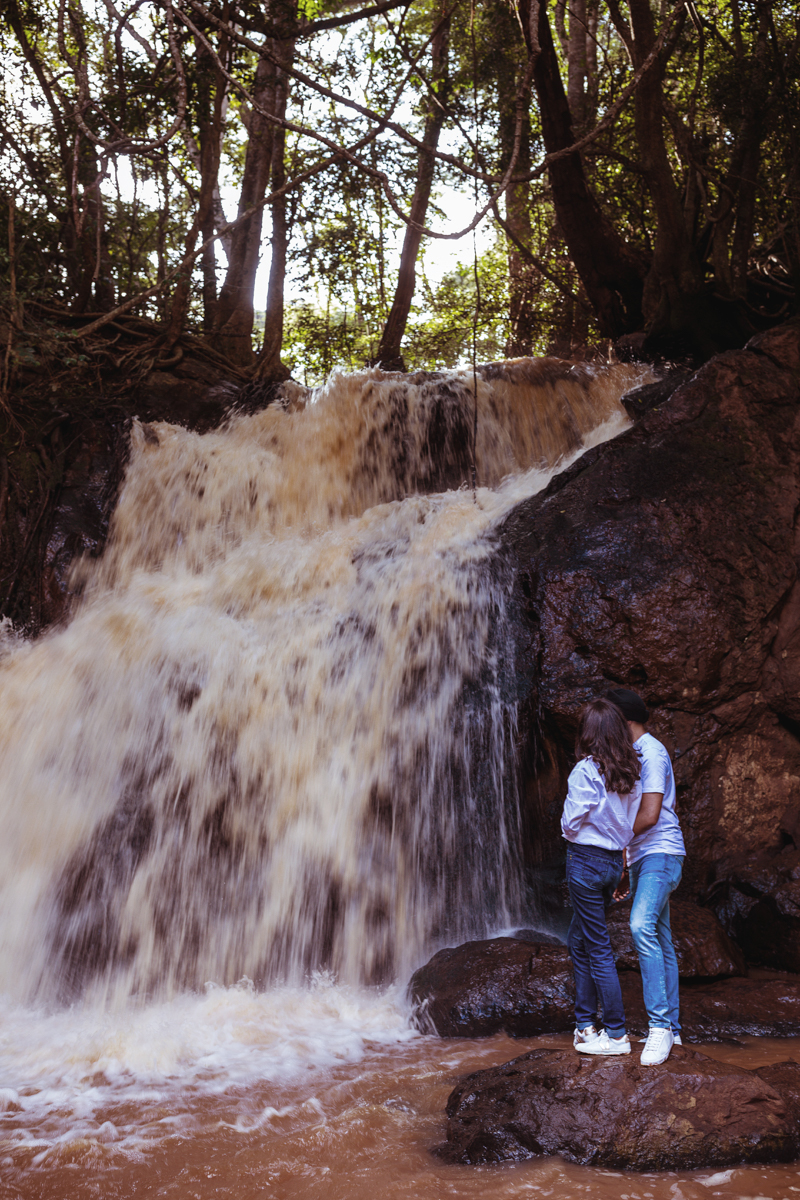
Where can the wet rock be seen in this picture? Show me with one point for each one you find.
(667, 561)
(725, 1008)
(642, 399)
(524, 989)
(187, 393)
(759, 905)
(702, 946)
(689, 1112)
(497, 985)
(539, 936)
(63, 454)
(57, 492)
(785, 1078)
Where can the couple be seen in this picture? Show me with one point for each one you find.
(619, 816)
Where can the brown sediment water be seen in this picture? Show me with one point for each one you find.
(348, 1131)
(261, 774)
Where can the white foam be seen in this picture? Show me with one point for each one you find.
(76, 1062)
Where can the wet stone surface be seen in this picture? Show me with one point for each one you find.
(523, 989)
(689, 1112)
(759, 905)
(504, 984)
(666, 560)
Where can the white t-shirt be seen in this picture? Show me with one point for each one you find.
(665, 837)
(593, 816)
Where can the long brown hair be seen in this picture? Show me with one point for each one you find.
(604, 736)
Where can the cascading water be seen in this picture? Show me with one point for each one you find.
(272, 738)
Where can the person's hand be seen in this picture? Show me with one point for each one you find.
(623, 888)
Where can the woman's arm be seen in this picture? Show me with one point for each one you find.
(583, 796)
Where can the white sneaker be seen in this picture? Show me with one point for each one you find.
(657, 1047)
(587, 1034)
(603, 1044)
(677, 1040)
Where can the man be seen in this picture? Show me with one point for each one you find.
(655, 862)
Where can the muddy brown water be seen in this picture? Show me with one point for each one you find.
(355, 1131)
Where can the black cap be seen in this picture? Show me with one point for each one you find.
(632, 706)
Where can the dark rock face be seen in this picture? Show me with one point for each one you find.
(642, 399)
(82, 512)
(59, 479)
(759, 905)
(702, 946)
(504, 985)
(57, 506)
(667, 561)
(689, 1112)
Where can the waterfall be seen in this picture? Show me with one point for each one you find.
(274, 736)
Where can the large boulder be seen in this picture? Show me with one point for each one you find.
(667, 561)
(506, 985)
(689, 1112)
(502, 984)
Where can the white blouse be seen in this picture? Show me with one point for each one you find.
(592, 815)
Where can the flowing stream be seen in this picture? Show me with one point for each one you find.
(260, 775)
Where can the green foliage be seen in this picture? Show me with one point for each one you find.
(96, 223)
(317, 340)
(442, 325)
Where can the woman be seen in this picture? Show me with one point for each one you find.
(602, 797)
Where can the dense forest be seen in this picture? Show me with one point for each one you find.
(426, 180)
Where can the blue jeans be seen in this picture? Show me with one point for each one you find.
(592, 875)
(652, 879)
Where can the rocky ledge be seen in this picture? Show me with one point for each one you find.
(689, 1112)
(508, 985)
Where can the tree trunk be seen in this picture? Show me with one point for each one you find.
(80, 251)
(92, 268)
(210, 88)
(754, 117)
(389, 355)
(270, 366)
(235, 312)
(736, 204)
(675, 272)
(521, 272)
(609, 272)
(576, 64)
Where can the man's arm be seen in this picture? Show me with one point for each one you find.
(649, 812)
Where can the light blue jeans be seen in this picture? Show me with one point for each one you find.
(653, 878)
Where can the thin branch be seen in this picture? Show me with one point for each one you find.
(85, 102)
(374, 10)
(385, 122)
